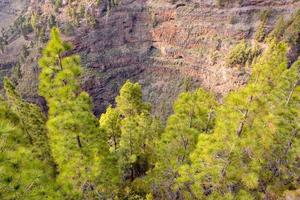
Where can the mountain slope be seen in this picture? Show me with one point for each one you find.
(167, 46)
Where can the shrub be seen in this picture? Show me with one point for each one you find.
(278, 30)
(154, 20)
(264, 15)
(289, 30)
(91, 19)
(57, 4)
(24, 53)
(243, 54)
(239, 54)
(222, 3)
(232, 20)
(260, 34)
(16, 73)
(261, 30)
(293, 31)
(214, 57)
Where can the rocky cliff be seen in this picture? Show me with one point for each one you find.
(168, 46)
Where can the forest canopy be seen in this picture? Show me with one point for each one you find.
(247, 147)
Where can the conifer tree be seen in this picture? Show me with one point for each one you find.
(77, 145)
(111, 123)
(138, 134)
(278, 30)
(32, 122)
(138, 131)
(130, 101)
(132, 132)
(246, 148)
(34, 22)
(285, 106)
(232, 162)
(22, 175)
(193, 115)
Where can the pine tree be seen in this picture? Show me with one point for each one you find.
(130, 102)
(292, 32)
(278, 30)
(283, 160)
(132, 133)
(193, 114)
(110, 122)
(77, 144)
(22, 175)
(34, 21)
(231, 162)
(138, 131)
(32, 122)
(138, 134)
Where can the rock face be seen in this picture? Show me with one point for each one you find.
(167, 46)
(10, 10)
(170, 45)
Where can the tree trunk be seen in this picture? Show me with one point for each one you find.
(292, 90)
(79, 141)
(242, 123)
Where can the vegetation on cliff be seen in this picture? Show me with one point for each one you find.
(225, 143)
(248, 147)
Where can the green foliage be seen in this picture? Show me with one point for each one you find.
(246, 148)
(260, 33)
(78, 146)
(111, 123)
(16, 73)
(193, 115)
(223, 3)
(39, 24)
(91, 19)
(220, 3)
(2, 44)
(24, 27)
(265, 14)
(34, 21)
(293, 30)
(57, 4)
(154, 19)
(132, 133)
(286, 105)
(232, 20)
(22, 175)
(33, 124)
(287, 30)
(130, 101)
(73, 15)
(136, 145)
(239, 54)
(239, 152)
(279, 29)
